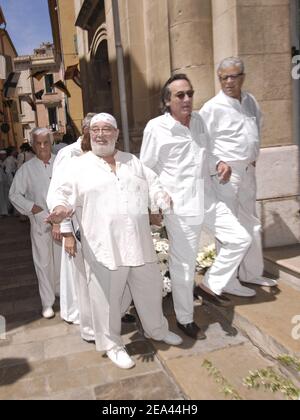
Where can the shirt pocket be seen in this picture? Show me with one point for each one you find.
(252, 128)
(137, 195)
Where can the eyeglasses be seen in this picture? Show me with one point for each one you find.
(181, 95)
(232, 76)
(104, 130)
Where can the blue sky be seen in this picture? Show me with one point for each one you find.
(28, 23)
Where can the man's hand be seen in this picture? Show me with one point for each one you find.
(56, 235)
(36, 209)
(59, 214)
(163, 200)
(224, 172)
(70, 245)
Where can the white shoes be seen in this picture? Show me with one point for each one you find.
(171, 339)
(262, 281)
(239, 290)
(48, 313)
(88, 334)
(119, 356)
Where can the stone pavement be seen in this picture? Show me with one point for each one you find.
(46, 359)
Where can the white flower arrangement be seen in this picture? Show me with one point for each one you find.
(161, 246)
(204, 260)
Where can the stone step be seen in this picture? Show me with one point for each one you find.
(284, 263)
(271, 319)
(230, 365)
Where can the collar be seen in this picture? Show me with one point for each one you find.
(231, 101)
(117, 156)
(171, 122)
(46, 163)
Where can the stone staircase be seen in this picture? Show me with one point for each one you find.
(284, 263)
(271, 320)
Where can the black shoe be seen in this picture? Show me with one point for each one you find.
(128, 319)
(213, 298)
(192, 330)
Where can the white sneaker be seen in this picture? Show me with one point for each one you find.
(239, 290)
(48, 313)
(262, 281)
(119, 356)
(88, 334)
(171, 339)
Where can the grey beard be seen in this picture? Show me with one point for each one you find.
(103, 151)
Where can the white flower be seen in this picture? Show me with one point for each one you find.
(166, 286)
(205, 257)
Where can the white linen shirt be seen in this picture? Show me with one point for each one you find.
(30, 185)
(60, 166)
(112, 209)
(179, 156)
(233, 127)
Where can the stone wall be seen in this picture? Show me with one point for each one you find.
(161, 37)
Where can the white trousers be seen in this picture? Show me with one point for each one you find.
(46, 255)
(69, 310)
(239, 194)
(184, 237)
(107, 289)
(75, 303)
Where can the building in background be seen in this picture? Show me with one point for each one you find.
(41, 102)
(62, 16)
(10, 128)
(161, 37)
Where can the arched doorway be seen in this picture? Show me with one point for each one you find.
(102, 97)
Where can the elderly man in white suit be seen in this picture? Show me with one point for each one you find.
(110, 192)
(233, 120)
(74, 297)
(28, 194)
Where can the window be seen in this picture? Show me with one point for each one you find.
(49, 83)
(52, 114)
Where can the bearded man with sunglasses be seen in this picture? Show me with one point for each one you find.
(176, 147)
(233, 120)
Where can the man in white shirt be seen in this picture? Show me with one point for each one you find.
(175, 146)
(74, 297)
(233, 121)
(28, 194)
(110, 192)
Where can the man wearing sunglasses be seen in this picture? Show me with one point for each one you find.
(233, 120)
(175, 146)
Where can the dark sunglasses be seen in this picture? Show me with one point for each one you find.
(181, 95)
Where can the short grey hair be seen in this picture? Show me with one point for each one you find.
(87, 120)
(38, 131)
(230, 62)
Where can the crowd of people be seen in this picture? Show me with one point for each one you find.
(89, 209)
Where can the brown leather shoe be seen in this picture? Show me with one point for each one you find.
(219, 300)
(192, 330)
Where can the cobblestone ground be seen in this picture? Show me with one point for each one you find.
(46, 359)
